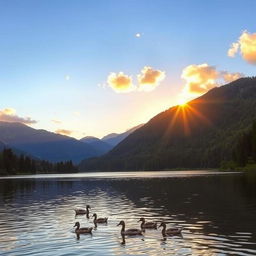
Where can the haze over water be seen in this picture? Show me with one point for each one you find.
(216, 210)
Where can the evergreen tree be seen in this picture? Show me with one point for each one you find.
(10, 163)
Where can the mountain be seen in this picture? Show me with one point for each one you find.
(16, 151)
(199, 135)
(115, 138)
(2, 145)
(104, 145)
(100, 146)
(43, 144)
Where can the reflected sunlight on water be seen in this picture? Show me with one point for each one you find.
(217, 213)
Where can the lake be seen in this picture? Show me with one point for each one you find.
(217, 212)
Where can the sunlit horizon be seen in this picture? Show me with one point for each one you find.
(75, 71)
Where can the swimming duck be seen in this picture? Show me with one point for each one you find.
(129, 232)
(170, 231)
(145, 224)
(99, 220)
(82, 211)
(79, 230)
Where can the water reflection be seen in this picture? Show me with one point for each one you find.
(216, 213)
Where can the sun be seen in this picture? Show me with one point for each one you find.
(183, 98)
(182, 102)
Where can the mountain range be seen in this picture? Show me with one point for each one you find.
(109, 141)
(101, 146)
(114, 138)
(45, 145)
(200, 134)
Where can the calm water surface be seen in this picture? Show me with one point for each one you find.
(217, 213)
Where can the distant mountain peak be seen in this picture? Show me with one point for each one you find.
(89, 139)
(115, 138)
(199, 135)
(43, 144)
(110, 136)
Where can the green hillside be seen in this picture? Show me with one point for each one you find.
(201, 134)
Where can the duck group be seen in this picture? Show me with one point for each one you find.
(124, 232)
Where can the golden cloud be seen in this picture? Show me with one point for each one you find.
(247, 46)
(64, 132)
(149, 78)
(230, 77)
(9, 115)
(9, 111)
(199, 78)
(120, 82)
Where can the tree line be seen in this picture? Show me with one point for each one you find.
(212, 131)
(11, 163)
(245, 149)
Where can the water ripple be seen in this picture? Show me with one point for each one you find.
(37, 217)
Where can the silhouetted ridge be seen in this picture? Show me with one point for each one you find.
(43, 144)
(200, 135)
(100, 146)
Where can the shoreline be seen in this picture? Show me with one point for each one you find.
(128, 174)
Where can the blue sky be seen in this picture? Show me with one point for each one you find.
(42, 42)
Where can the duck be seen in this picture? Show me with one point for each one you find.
(145, 224)
(170, 231)
(82, 211)
(129, 232)
(79, 230)
(99, 220)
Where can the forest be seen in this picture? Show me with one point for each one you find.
(244, 152)
(11, 164)
(212, 131)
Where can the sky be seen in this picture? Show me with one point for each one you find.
(91, 67)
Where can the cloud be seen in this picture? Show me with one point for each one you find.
(149, 78)
(9, 115)
(230, 77)
(9, 111)
(233, 50)
(138, 35)
(200, 78)
(246, 45)
(64, 132)
(56, 121)
(120, 82)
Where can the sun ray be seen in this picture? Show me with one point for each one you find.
(199, 115)
(185, 120)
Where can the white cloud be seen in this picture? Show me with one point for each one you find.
(233, 50)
